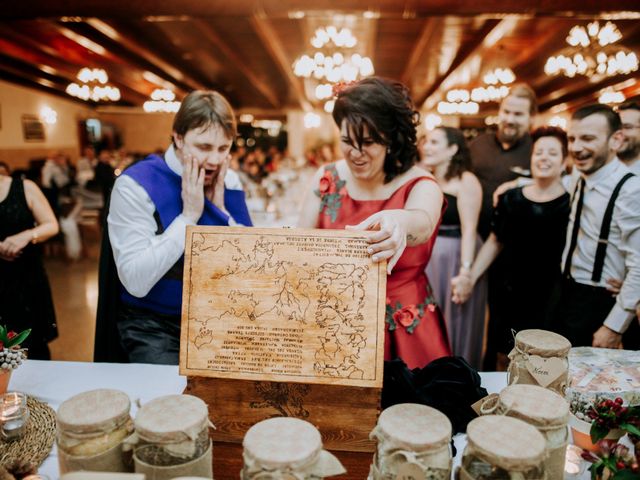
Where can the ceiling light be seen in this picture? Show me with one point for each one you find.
(93, 86)
(592, 51)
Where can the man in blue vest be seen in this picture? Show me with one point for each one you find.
(152, 203)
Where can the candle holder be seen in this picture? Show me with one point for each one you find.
(14, 414)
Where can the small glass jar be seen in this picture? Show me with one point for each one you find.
(92, 427)
(413, 442)
(286, 448)
(502, 448)
(540, 357)
(14, 415)
(548, 412)
(173, 438)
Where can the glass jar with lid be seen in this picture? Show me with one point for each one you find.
(413, 442)
(173, 438)
(92, 427)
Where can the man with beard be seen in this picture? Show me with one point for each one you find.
(496, 159)
(603, 237)
(629, 152)
(501, 156)
(152, 203)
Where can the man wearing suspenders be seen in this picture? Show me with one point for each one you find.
(603, 238)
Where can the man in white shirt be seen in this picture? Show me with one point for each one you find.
(151, 204)
(629, 151)
(603, 237)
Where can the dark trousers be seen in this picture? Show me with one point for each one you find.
(579, 310)
(149, 337)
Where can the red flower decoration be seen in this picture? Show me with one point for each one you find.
(431, 307)
(11, 334)
(406, 315)
(326, 183)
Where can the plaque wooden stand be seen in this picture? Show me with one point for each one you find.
(344, 415)
(284, 323)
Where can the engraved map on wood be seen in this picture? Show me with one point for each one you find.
(282, 305)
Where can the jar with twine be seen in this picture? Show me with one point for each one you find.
(286, 448)
(413, 442)
(92, 427)
(500, 448)
(542, 408)
(172, 438)
(539, 357)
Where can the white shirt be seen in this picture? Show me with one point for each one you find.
(634, 167)
(54, 174)
(142, 257)
(622, 261)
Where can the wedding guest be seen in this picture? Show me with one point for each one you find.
(528, 227)
(378, 189)
(446, 155)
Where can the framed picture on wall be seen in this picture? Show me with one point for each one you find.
(32, 129)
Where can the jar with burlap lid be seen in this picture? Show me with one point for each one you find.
(413, 441)
(502, 448)
(539, 357)
(91, 429)
(173, 438)
(545, 410)
(286, 448)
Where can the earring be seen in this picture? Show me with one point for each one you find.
(388, 150)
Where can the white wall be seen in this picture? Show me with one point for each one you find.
(16, 101)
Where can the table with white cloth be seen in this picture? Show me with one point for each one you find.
(53, 382)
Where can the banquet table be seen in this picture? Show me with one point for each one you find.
(53, 382)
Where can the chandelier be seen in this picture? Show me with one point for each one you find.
(592, 51)
(610, 97)
(458, 102)
(162, 100)
(332, 61)
(93, 86)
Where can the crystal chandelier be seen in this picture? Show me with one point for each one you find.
(333, 61)
(162, 100)
(592, 51)
(93, 86)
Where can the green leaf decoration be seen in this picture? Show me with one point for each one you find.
(626, 475)
(597, 432)
(628, 427)
(18, 339)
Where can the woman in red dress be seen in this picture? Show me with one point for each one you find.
(378, 188)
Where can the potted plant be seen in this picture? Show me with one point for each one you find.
(11, 354)
(611, 459)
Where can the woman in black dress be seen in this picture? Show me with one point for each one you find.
(26, 219)
(528, 227)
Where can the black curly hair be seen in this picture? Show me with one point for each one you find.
(385, 108)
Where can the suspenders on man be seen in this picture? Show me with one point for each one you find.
(581, 308)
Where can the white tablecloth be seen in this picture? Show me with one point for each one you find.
(53, 382)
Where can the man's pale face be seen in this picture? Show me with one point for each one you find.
(590, 143)
(210, 147)
(630, 148)
(514, 119)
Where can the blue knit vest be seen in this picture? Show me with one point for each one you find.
(164, 187)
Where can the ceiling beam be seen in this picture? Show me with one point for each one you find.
(237, 61)
(570, 94)
(217, 8)
(19, 79)
(272, 43)
(464, 53)
(48, 60)
(420, 47)
(109, 39)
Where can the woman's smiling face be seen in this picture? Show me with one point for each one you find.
(366, 163)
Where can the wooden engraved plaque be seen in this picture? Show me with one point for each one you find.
(282, 305)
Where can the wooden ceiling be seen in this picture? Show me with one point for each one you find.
(246, 49)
